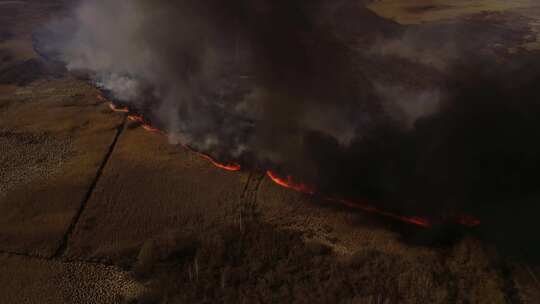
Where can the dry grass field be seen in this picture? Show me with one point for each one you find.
(422, 11)
(411, 12)
(94, 209)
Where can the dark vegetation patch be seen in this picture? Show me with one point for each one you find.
(260, 264)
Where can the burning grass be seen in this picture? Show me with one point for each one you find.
(290, 183)
(148, 127)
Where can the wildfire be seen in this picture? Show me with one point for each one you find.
(117, 109)
(136, 118)
(467, 220)
(228, 167)
(111, 105)
(289, 182)
(148, 127)
(418, 221)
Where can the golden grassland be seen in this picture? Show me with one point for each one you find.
(425, 11)
(421, 11)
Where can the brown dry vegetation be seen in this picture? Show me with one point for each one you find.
(260, 264)
(422, 11)
(95, 210)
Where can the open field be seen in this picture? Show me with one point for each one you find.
(95, 209)
(422, 11)
(437, 11)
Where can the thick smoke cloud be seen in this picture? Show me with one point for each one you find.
(211, 70)
(326, 91)
(242, 80)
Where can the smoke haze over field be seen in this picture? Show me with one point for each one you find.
(244, 79)
(323, 90)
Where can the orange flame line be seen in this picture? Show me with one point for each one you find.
(464, 220)
(117, 109)
(228, 167)
(149, 128)
(136, 118)
(418, 221)
(291, 184)
(146, 126)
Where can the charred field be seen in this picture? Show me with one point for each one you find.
(102, 202)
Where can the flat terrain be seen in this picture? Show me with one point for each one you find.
(26, 280)
(422, 11)
(441, 11)
(95, 209)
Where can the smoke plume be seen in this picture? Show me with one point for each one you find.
(326, 91)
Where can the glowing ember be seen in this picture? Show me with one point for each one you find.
(149, 128)
(289, 183)
(418, 221)
(228, 167)
(117, 109)
(136, 118)
(467, 220)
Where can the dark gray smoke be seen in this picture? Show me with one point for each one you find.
(417, 119)
(242, 79)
